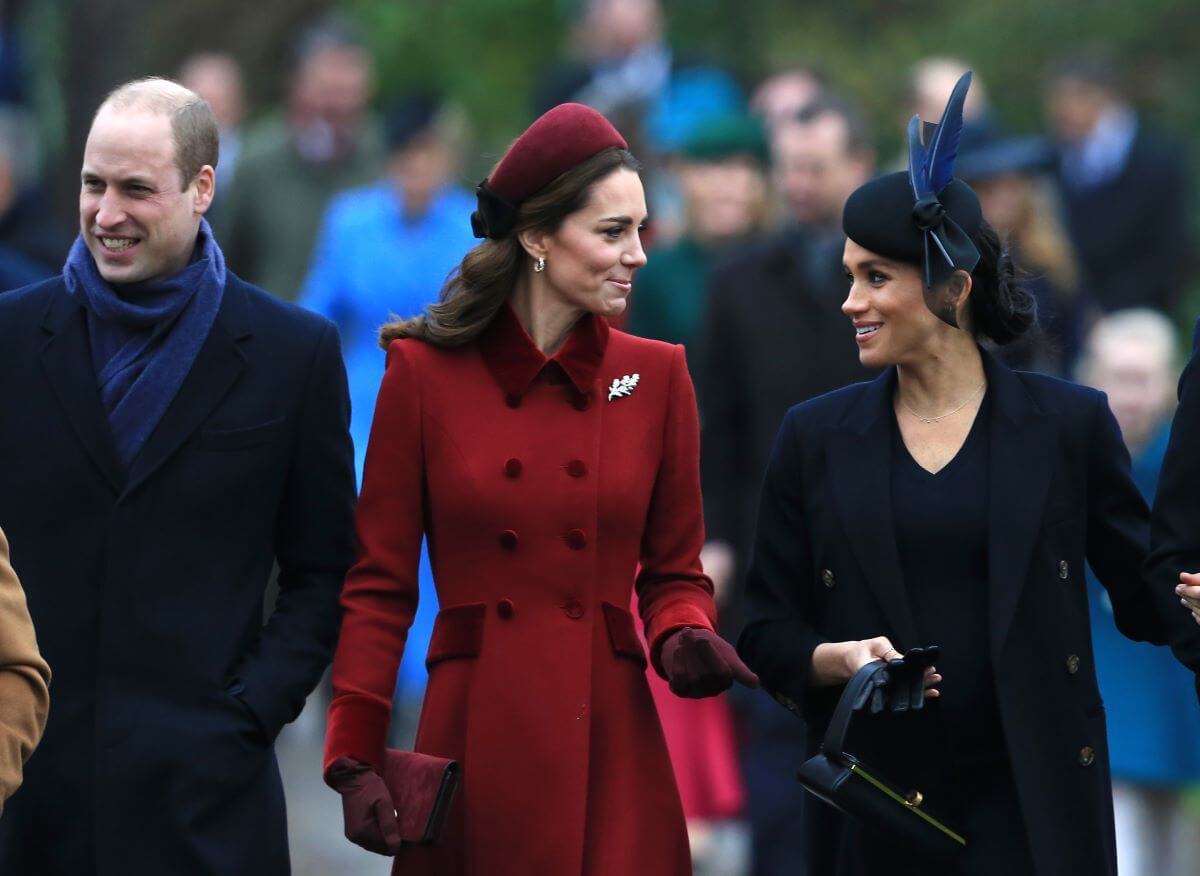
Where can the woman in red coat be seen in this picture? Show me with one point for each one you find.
(546, 457)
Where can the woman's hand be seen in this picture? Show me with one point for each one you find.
(836, 663)
(699, 663)
(1189, 592)
(367, 808)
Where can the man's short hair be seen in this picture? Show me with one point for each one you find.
(332, 33)
(829, 103)
(193, 125)
(1092, 66)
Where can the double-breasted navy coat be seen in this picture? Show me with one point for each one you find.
(825, 568)
(147, 587)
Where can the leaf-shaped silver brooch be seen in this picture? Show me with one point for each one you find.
(623, 386)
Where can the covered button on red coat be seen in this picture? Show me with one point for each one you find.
(574, 609)
(577, 468)
(576, 539)
(512, 400)
(513, 468)
(504, 608)
(508, 539)
(580, 401)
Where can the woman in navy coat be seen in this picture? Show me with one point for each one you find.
(950, 502)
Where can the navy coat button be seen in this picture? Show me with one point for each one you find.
(576, 468)
(513, 468)
(787, 702)
(576, 539)
(512, 400)
(508, 539)
(574, 609)
(1063, 569)
(827, 578)
(1087, 756)
(504, 608)
(1073, 664)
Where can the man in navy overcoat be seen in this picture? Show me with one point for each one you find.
(169, 433)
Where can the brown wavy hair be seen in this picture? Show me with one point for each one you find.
(487, 275)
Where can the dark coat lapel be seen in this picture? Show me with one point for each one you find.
(66, 359)
(859, 454)
(217, 367)
(1023, 455)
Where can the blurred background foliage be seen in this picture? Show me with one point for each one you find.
(490, 53)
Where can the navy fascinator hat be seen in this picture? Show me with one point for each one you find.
(923, 216)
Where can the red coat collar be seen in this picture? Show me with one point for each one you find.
(515, 361)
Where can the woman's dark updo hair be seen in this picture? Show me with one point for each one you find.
(1002, 310)
(478, 288)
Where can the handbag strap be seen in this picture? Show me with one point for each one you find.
(839, 724)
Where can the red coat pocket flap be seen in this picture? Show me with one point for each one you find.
(457, 633)
(622, 634)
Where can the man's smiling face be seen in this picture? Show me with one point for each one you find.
(137, 218)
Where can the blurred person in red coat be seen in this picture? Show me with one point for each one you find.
(546, 457)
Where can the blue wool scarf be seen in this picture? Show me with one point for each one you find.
(145, 336)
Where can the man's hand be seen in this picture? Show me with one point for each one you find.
(1189, 592)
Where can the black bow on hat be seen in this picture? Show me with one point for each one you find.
(495, 216)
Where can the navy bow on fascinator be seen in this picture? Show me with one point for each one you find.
(923, 216)
(930, 171)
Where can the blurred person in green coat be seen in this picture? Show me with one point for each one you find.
(721, 173)
(294, 162)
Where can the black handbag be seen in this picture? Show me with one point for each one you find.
(845, 783)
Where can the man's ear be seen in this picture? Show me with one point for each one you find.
(205, 182)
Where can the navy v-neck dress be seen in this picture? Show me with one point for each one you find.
(941, 526)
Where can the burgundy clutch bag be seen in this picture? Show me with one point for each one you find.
(422, 788)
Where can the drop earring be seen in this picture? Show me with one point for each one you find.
(539, 265)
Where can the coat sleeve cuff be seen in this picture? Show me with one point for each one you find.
(357, 729)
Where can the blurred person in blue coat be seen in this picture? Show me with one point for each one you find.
(386, 249)
(1153, 723)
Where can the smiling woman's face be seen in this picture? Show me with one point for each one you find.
(886, 305)
(592, 257)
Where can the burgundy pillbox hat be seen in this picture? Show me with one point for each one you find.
(561, 139)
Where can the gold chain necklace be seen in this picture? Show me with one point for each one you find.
(925, 419)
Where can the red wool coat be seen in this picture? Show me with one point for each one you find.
(541, 486)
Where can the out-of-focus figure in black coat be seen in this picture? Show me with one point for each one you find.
(1012, 176)
(773, 336)
(1125, 188)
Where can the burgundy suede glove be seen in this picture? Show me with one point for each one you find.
(367, 807)
(699, 663)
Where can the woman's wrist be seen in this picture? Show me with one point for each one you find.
(829, 664)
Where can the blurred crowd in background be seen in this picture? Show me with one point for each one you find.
(355, 203)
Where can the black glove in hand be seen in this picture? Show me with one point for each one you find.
(699, 663)
(367, 808)
(900, 687)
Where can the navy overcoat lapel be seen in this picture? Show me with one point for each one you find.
(67, 362)
(218, 365)
(859, 454)
(1024, 451)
